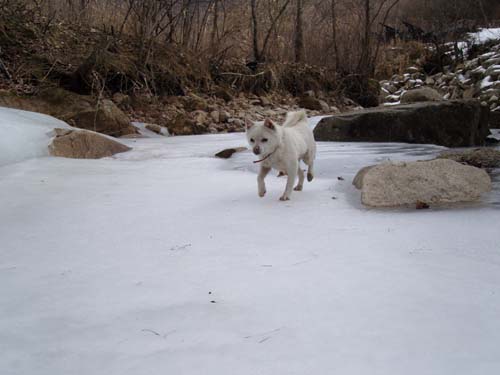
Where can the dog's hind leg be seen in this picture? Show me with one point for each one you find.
(300, 184)
(291, 173)
(310, 172)
(260, 180)
(309, 160)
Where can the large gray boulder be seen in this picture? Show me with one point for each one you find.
(423, 94)
(458, 123)
(432, 182)
(485, 157)
(83, 144)
(309, 102)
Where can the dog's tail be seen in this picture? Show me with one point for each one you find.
(293, 118)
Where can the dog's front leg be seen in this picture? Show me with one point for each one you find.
(291, 171)
(260, 180)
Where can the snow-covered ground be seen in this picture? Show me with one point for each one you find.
(25, 134)
(163, 260)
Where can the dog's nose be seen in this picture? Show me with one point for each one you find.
(256, 150)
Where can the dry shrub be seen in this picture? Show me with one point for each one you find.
(396, 57)
(299, 78)
(98, 46)
(361, 89)
(295, 79)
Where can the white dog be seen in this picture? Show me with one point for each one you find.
(282, 148)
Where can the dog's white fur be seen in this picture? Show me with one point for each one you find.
(283, 147)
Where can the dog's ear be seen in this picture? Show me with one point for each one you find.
(248, 123)
(268, 123)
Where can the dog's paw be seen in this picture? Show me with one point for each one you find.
(310, 177)
(298, 188)
(284, 198)
(262, 193)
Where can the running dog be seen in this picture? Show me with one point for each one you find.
(282, 148)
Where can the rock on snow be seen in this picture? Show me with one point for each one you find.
(84, 144)
(458, 123)
(438, 181)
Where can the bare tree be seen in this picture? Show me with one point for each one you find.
(255, 31)
(215, 23)
(333, 9)
(260, 53)
(299, 36)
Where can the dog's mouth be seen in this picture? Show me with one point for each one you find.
(266, 157)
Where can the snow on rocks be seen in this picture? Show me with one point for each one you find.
(478, 78)
(160, 130)
(486, 82)
(493, 71)
(25, 135)
(485, 35)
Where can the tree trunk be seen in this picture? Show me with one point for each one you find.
(364, 61)
(215, 21)
(171, 27)
(334, 33)
(299, 36)
(256, 54)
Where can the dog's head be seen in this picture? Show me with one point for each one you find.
(262, 137)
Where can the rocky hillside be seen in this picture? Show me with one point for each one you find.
(193, 113)
(476, 77)
(95, 79)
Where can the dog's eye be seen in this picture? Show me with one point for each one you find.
(252, 140)
(264, 140)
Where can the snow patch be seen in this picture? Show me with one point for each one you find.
(141, 126)
(390, 104)
(486, 82)
(485, 35)
(25, 134)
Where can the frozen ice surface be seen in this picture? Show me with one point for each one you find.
(163, 260)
